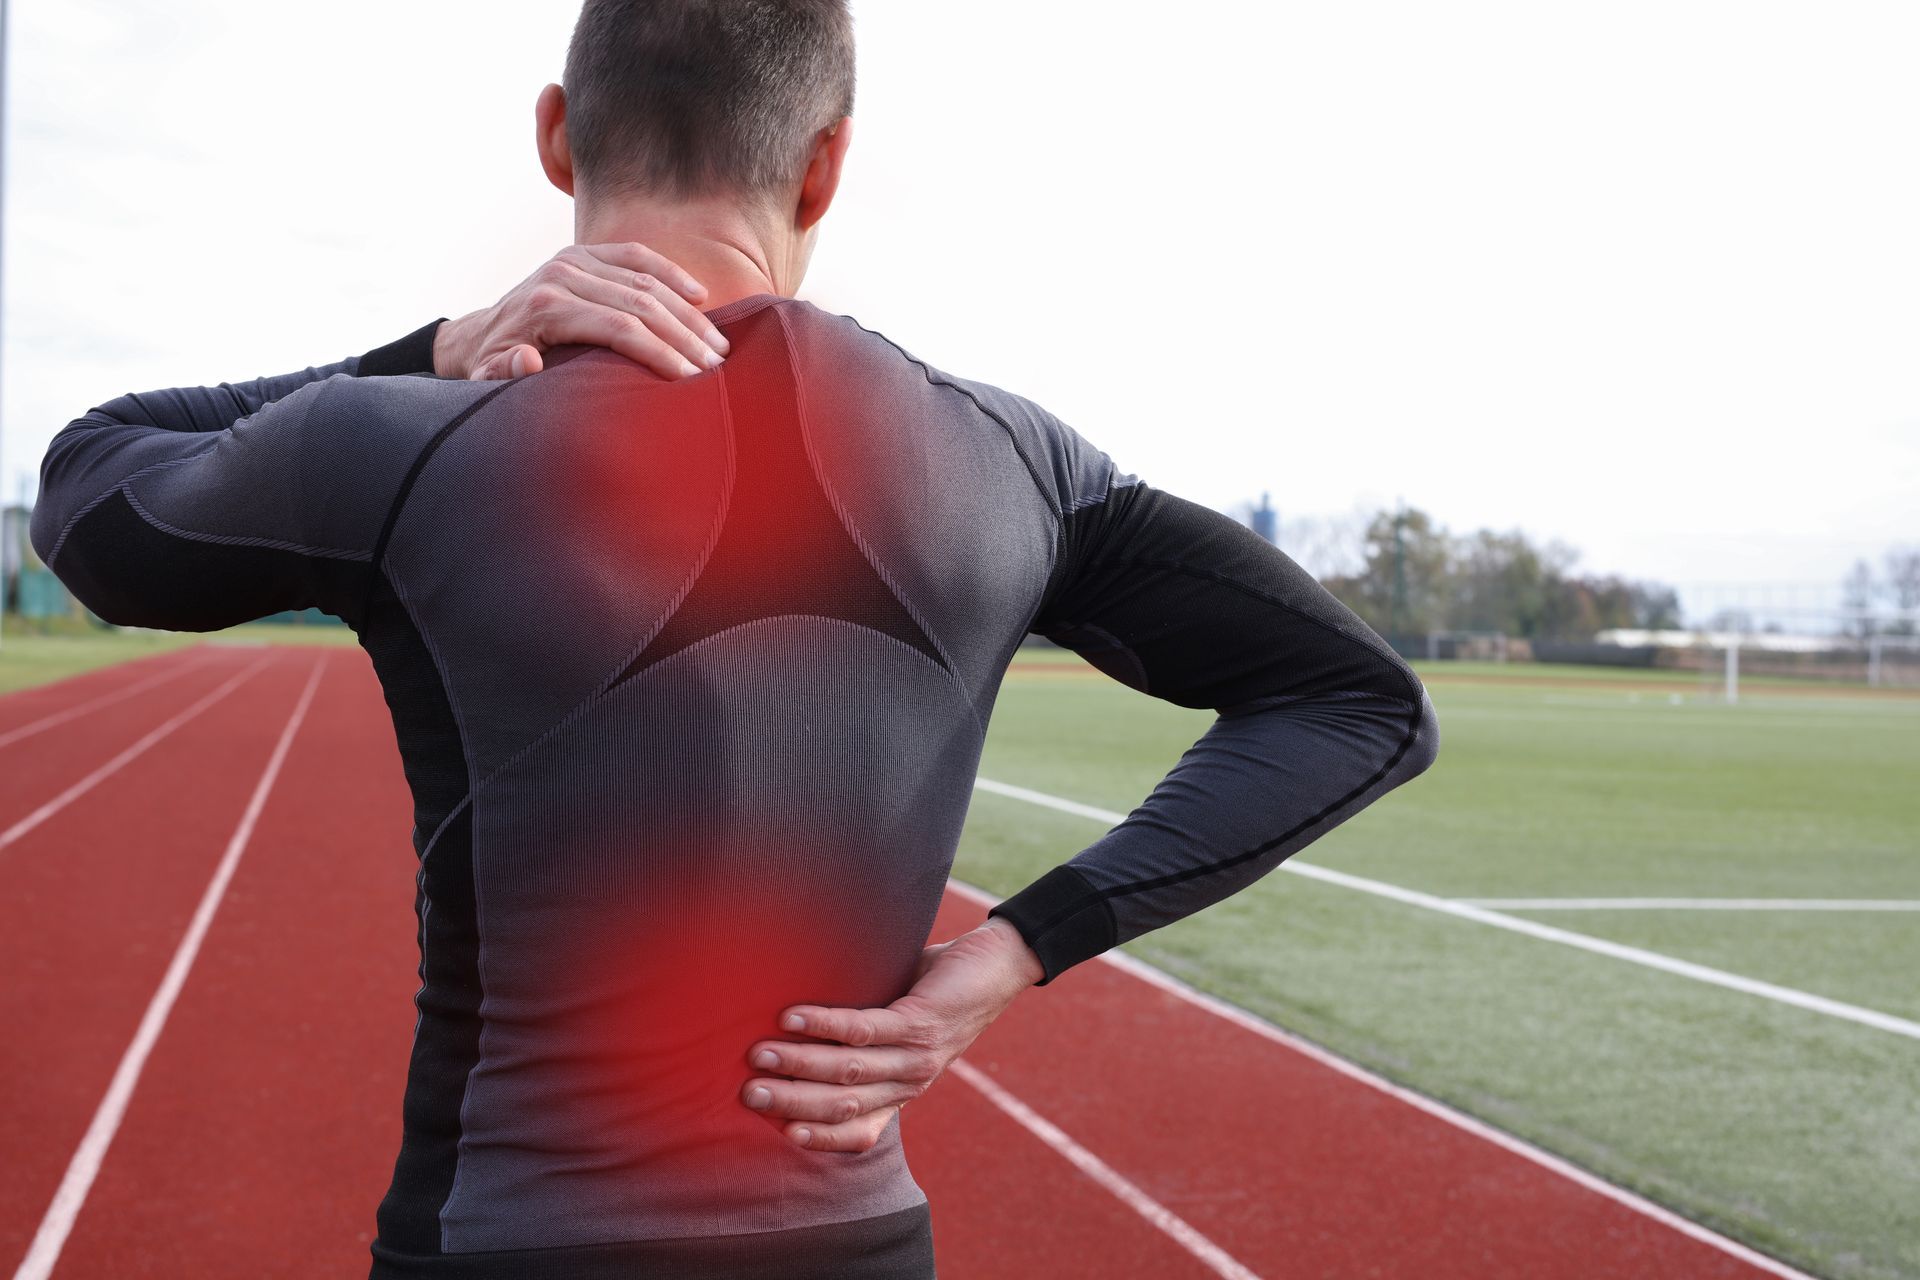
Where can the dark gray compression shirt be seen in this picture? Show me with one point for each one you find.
(690, 681)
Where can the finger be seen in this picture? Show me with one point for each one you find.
(832, 1064)
(854, 1135)
(670, 316)
(857, 1027)
(524, 360)
(637, 257)
(621, 331)
(646, 282)
(830, 1104)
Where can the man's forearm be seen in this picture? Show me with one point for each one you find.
(1257, 787)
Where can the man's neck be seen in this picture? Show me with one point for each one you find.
(734, 254)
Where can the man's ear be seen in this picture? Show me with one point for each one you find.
(823, 173)
(550, 136)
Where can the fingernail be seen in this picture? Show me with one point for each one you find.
(759, 1098)
(766, 1059)
(803, 1136)
(795, 1022)
(713, 359)
(720, 342)
(688, 368)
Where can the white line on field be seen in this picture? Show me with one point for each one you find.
(1695, 904)
(114, 765)
(1438, 1110)
(1182, 1232)
(1530, 928)
(85, 1165)
(172, 671)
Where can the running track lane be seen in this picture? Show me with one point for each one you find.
(262, 1132)
(93, 901)
(272, 1102)
(28, 712)
(46, 755)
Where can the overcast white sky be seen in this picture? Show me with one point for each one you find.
(1644, 277)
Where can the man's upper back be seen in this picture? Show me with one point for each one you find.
(594, 527)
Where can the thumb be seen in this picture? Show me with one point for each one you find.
(526, 360)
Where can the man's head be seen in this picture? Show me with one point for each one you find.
(735, 103)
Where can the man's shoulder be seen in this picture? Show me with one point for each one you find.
(844, 339)
(1070, 471)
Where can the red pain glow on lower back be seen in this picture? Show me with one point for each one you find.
(689, 992)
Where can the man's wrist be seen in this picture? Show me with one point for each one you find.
(453, 347)
(1020, 957)
(411, 354)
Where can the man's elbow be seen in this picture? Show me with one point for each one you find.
(90, 588)
(1423, 744)
(43, 531)
(86, 566)
(63, 493)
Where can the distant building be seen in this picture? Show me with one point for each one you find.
(1266, 521)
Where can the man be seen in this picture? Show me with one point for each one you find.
(690, 677)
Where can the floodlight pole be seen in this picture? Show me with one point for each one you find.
(1399, 569)
(5, 15)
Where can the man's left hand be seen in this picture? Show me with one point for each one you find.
(842, 1088)
(624, 297)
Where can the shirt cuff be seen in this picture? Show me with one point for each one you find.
(411, 354)
(1063, 917)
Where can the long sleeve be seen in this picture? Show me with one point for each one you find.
(1317, 716)
(193, 508)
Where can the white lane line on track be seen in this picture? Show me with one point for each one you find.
(85, 1165)
(1183, 1233)
(114, 765)
(171, 672)
(1530, 928)
(1420, 1102)
(1694, 904)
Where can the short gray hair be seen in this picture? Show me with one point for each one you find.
(695, 97)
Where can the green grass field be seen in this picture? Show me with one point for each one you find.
(1789, 1129)
(41, 652)
(38, 652)
(1792, 1130)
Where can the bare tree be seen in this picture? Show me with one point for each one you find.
(1903, 577)
(1856, 599)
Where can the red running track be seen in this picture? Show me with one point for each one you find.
(1160, 1139)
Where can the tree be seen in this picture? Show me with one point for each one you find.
(1413, 577)
(1903, 577)
(1402, 586)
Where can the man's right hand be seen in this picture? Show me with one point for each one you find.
(839, 1090)
(624, 297)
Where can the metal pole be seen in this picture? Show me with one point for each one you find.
(1733, 670)
(1399, 571)
(5, 16)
